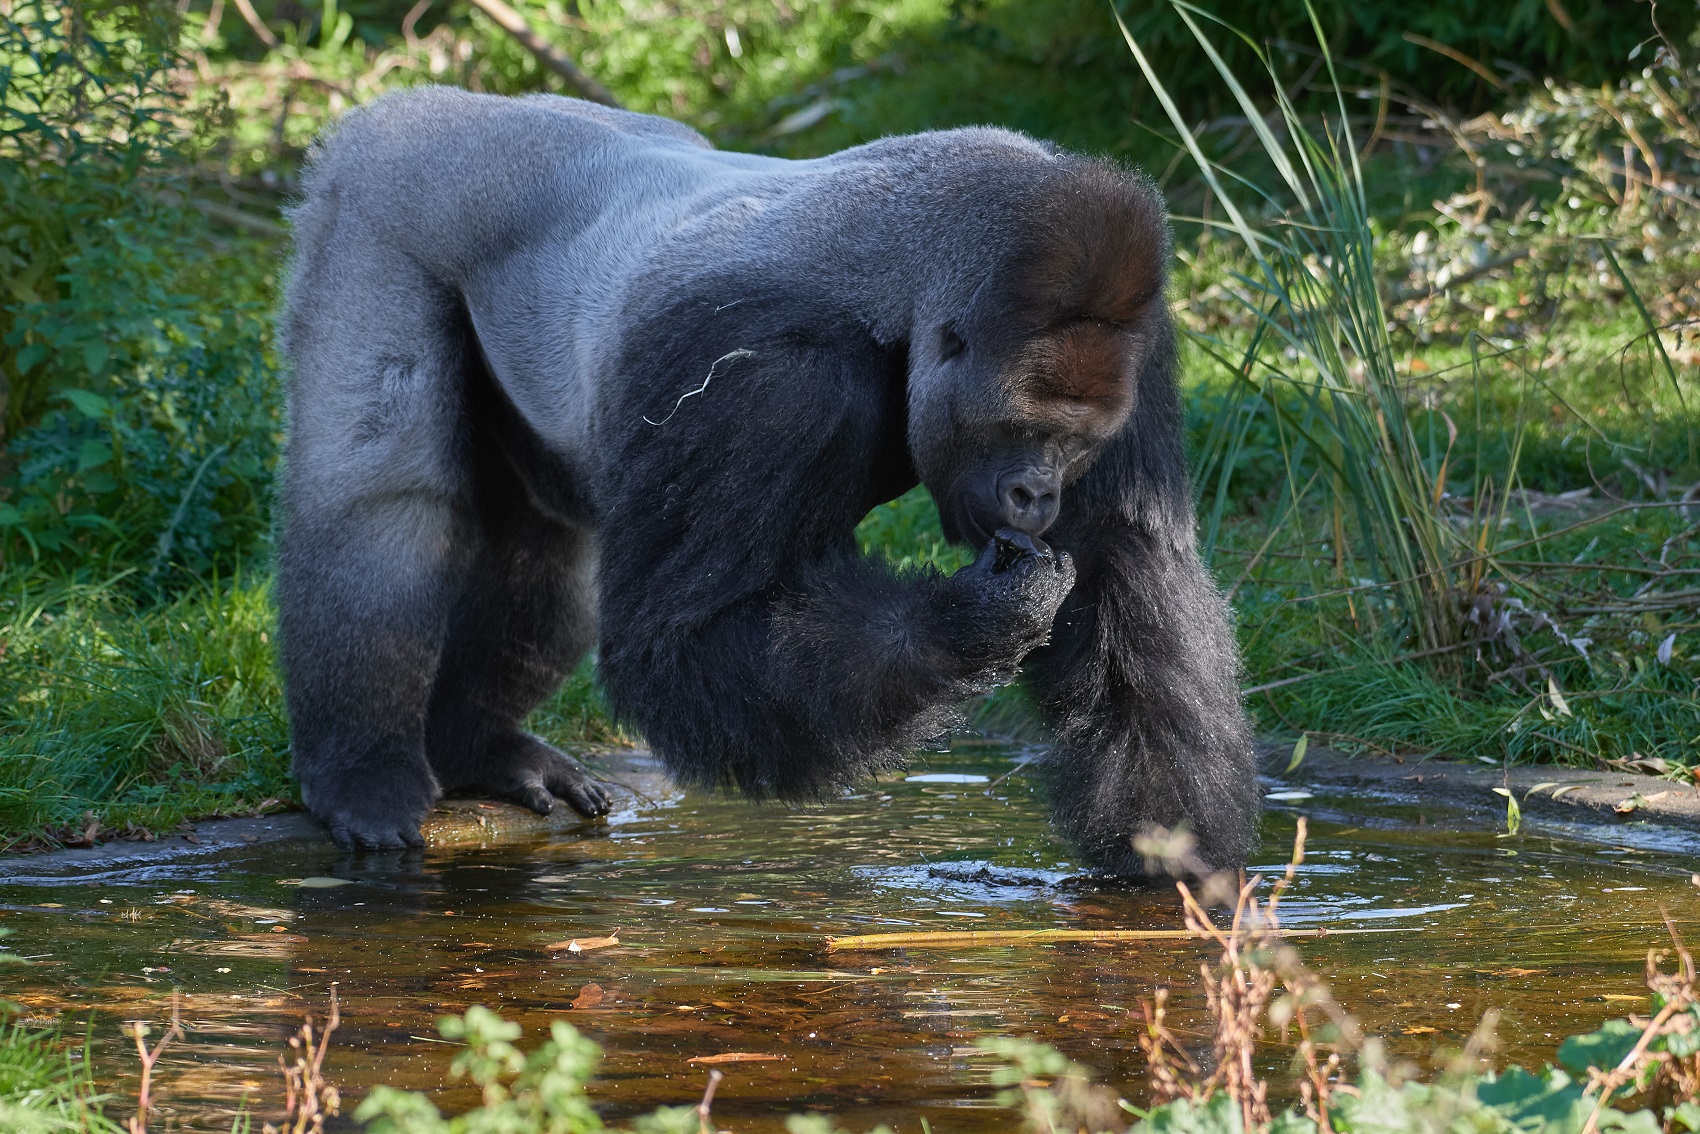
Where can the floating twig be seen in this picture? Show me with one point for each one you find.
(1046, 936)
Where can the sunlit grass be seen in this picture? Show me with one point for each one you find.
(118, 717)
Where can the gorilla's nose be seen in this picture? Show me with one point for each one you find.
(1030, 497)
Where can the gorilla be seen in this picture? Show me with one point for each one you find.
(563, 375)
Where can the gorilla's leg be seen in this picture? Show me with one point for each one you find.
(374, 539)
(522, 622)
(362, 604)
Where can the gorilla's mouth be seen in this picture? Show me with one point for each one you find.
(982, 505)
(972, 520)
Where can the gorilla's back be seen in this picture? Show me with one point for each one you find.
(548, 217)
(454, 178)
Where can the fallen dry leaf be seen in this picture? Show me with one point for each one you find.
(736, 1057)
(1422, 1030)
(589, 996)
(583, 944)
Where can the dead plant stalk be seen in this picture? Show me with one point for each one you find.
(138, 1123)
(308, 1099)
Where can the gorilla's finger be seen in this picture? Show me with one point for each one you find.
(582, 793)
(342, 836)
(535, 796)
(1014, 543)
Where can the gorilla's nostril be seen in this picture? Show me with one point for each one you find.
(1021, 497)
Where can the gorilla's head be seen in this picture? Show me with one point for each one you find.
(1018, 383)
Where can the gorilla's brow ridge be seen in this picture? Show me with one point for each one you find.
(739, 353)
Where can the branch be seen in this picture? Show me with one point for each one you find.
(257, 25)
(231, 215)
(545, 52)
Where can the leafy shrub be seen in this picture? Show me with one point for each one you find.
(140, 413)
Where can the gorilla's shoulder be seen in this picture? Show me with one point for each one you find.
(964, 144)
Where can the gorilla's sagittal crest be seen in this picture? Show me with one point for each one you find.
(564, 374)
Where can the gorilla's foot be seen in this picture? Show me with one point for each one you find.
(367, 815)
(534, 774)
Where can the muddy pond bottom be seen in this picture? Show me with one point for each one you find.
(722, 911)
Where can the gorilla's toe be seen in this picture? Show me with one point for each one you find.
(587, 798)
(535, 797)
(534, 774)
(350, 835)
(572, 783)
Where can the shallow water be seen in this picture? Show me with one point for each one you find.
(722, 909)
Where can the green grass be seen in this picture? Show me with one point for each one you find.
(139, 717)
(47, 1085)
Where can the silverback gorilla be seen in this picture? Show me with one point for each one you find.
(565, 374)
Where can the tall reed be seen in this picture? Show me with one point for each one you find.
(1321, 360)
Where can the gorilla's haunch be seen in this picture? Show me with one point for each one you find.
(559, 367)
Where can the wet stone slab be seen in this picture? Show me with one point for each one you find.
(721, 911)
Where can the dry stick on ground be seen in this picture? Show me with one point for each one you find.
(252, 19)
(545, 52)
(144, 1094)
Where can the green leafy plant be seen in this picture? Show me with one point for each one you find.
(141, 413)
(542, 1091)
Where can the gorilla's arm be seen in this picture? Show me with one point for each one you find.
(1141, 679)
(741, 631)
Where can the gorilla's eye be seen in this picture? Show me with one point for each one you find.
(950, 344)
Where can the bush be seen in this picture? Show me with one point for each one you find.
(140, 413)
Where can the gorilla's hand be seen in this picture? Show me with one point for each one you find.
(534, 774)
(1005, 601)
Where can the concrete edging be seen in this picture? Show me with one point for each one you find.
(1581, 794)
(1540, 789)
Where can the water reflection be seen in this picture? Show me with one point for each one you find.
(720, 911)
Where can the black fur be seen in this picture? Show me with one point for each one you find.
(563, 372)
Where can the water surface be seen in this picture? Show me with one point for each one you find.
(722, 910)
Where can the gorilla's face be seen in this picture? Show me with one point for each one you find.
(1021, 372)
(1017, 414)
